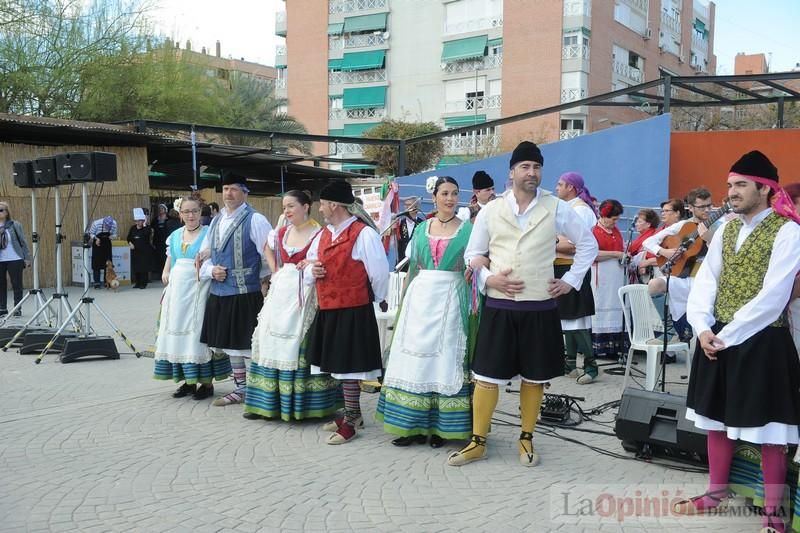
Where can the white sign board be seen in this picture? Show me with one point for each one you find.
(372, 204)
(120, 255)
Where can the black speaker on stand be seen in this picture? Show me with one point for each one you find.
(654, 423)
(44, 172)
(83, 167)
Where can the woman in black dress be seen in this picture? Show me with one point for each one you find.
(143, 255)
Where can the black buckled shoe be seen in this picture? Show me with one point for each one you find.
(408, 441)
(436, 441)
(184, 390)
(203, 392)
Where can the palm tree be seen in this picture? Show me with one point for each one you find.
(252, 104)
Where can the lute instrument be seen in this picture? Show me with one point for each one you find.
(688, 239)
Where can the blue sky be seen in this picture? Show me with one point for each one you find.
(246, 28)
(753, 26)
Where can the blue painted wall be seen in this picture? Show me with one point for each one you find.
(629, 163)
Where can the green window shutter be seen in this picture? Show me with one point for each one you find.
(468, 120)
(335, 29)
(376, 22)
(336, 133)
(357, 130)
(335, 64)
(362, 97)
(494, 42)
(356, 166)
(464, 48)
(373, 59)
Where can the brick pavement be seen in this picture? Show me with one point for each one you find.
(100, 446)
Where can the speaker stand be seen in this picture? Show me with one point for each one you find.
(59, 296)
(87, 344)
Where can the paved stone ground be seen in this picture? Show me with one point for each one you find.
(100, 446)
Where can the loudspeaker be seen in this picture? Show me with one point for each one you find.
(79, 167)
(44, 172)
(23, 174)
(655, 423)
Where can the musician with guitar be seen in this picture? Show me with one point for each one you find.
(690, 236)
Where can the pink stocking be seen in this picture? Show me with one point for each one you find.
(720, 454)
(773, 467)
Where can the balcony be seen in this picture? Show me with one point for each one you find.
(346, 149)
(357, 113)
(699, 42)
(569, 134)
(626, 71)
(280, 55)
(349, 6)
(470, 104)
(572, 94)
(479, 24)
(471, 65)
(335, 43)
(280, 83)
(575, 51)
(280, 23)
(577, 8)
(356, 76)
(672, 23)
(640, 5)
(363, 41)
(472, 144)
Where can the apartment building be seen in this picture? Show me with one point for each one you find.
(222, 68)
(347, 64)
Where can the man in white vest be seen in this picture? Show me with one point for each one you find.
(520, 332)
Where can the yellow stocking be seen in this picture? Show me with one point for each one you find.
(530, 402)
(484, 401)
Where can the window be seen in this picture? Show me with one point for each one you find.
(336, 102)
(571, 124)
(633, 60)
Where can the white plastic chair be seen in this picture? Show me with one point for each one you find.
(641, 319)
(386, 318)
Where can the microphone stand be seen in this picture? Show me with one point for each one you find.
(667, 271)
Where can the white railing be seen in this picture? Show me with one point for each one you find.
(344, 148)
(280, 50)
(366, 112)
(471, 65)
(280, 23)
(335, 42)
(572, 94)
(280, 83)
(575, 51)
(478, 102)
(471, 144)
(484, 23)
(699, 42)
(673, 24)
(641, 5)
(569, 134)
(628, 71)
(336, 113)
(577, 8)
(346, 6)
(361, 41)
(356, 76)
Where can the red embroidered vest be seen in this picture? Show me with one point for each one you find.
(299, 255)
(346, 283)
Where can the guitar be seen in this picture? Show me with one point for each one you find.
(689, 238)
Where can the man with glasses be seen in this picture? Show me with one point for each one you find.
(699, 204)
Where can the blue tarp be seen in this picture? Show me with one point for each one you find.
(629, 163)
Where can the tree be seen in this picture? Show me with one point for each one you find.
(251, 104)
(45, 46)
(156, 84)
(419, 156)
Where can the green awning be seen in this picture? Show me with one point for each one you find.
(356, 166)
(157, 174)
(364, 97)
(453, 160)
(699, 25)
(365, 23)
(336, 133)
(468, 120)
(280, 64)
(335, 64)
(332, 96)
(464, 48)
(357, 130)
(336, 28)
(369, 60)
(494, 42)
